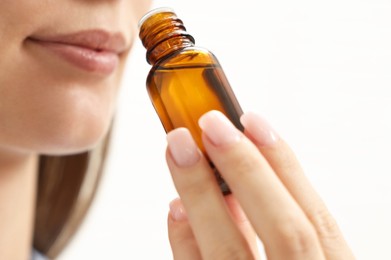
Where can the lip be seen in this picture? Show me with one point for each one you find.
(93, 51)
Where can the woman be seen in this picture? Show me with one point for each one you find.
(60, 70)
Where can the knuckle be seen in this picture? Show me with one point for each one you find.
(295, 237)
(243, 165)
(325, 224)
(195, 182)
(287, 158)
(284, 154)
(196, 188)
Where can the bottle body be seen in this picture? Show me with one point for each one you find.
(185, 81)
(187, 84)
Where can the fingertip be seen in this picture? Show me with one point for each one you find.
(259, 129)
(219, 129)
(181, 237)
(182, 147)
(177, 210)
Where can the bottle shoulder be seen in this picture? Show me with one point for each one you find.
(188, 56)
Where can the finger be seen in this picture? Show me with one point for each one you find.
(243, 224)
(274, 214)
(216, 234)
(182, 241)
(284, 162)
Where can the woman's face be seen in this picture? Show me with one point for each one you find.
(60, 67)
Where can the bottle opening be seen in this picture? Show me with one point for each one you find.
(152, 12)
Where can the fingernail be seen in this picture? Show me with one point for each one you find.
(259, 129)
(182, 147)
(219, 129)
(177, 211)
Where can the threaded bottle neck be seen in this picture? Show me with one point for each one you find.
(162, 33)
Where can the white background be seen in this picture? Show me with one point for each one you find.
(320, 71)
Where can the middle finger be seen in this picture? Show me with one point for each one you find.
(277, 218)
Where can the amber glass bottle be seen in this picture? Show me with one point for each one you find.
(185, 81)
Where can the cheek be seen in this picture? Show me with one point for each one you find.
(140, 7)
(51, 110)
(20, 17)
(44, 108)
(55, 119)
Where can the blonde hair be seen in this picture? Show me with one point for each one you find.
(66, 188)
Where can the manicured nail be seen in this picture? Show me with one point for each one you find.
(182, 147)
(259, 129)
(177, 211)
(219, 129)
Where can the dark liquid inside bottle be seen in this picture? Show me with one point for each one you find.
(182, 94)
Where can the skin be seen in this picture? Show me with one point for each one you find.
(47, 105)
(271, 197)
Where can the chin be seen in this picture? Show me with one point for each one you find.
(57, 111)
(80, 129)
(71, 141)
(63, 122)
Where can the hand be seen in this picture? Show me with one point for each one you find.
(271, 198)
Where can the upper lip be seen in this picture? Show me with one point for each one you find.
(97, 40)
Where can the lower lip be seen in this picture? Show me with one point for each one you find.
(102, 62)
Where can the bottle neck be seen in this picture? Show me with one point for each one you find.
(162, 33)
(166, 47)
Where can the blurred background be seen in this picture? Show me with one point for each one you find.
(319, 71)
